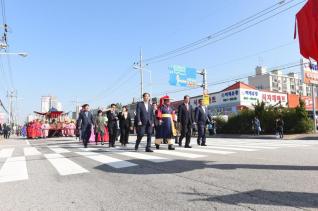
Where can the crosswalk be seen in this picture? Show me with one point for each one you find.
(62, 156)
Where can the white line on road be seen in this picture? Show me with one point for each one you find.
(27, 141)
(6, 153)
(14, 169)
(59, 150)
(231, 148)
(63, 165)
(30, 151)
(207, 150)
(113, 162)
(246, 146)
(142, 156)
(179, 154)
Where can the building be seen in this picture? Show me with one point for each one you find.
(48, 102)
(241, 95)
(276, 81)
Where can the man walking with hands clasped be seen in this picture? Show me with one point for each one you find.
(145, 121)
(186, 119)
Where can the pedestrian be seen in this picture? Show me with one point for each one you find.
(185, 119)
(1, 130)
(280, 127)
(201, 119)
(112, 117)
(167, 130)
(45, 129)
(100, 124)
(6, 131)
(145, 121)
(85, 123)
(256, 126)
(125, 125)
(24, 131)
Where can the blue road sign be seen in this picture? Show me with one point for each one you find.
(182, 76)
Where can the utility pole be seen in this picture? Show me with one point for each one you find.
(206, 98)
(140, 66)
(10, 95)
(141, 74)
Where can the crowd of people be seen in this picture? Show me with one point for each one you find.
(42, 129)
(167, 124)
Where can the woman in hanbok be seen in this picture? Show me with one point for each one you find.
(45, 129)
(100, 124)
(166, 130)
(71, 129)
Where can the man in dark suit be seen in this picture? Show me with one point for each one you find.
(186, 119)
(84, 123)
(201, 119)
(145, 121)
(112, 117)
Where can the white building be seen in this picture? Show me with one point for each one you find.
(48, 102)
(276, 81)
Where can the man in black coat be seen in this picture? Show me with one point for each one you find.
(84, 123)
(112, 117)
(201, 119)
(186, 119)
(145, 121)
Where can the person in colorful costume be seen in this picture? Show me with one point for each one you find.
(166, 129)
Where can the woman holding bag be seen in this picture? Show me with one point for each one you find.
(100, 124)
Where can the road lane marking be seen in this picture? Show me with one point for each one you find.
(14, 169)
(27, 142)
(30, 151)
(147, 157)
(64, 166)
(113, 162)
(59, 150)
(246, 146)
(231, 148)
(207, 150)
(6, 153)
(179, 154)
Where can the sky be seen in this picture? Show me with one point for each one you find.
(85, 50)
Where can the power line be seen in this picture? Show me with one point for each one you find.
(243, 76)
(209, 39)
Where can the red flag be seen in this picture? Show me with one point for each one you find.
(307, 24)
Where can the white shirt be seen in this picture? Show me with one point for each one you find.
(203, 107)
(146, 105)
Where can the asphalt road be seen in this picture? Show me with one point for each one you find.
(229, 174)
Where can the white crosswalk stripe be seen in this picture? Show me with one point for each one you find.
(14, 169)
(231, 148)
(143, 156)
(63, 165)
(113, 162)
(30, 151)
(245, 146)
(201, 149)
(179, 154)
(6, 153)
(59, 150)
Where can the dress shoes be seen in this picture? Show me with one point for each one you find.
(203, 145)
(170, 147)
(149, 150)
(187, 147)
